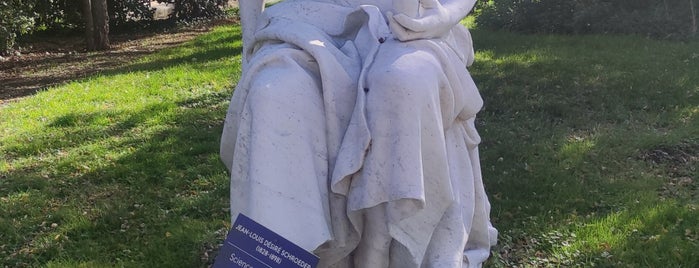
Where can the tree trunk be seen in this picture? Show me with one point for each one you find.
(694, 17)
(96, 24)
(89, 25)
(100, 16)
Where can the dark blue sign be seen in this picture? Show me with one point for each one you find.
(251, 245)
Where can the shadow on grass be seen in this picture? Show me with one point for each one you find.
(206, 50)
(125, 187)
(565, 123)
(132, 192)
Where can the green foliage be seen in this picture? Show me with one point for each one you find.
(546, 16)
(660, 19)
(121, 12)
(59, 14)
(16, 17)
(67, 14)
(19, 17)
(187, 10)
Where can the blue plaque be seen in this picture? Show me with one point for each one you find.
(251, 245)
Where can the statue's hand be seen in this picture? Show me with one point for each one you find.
(435, 22)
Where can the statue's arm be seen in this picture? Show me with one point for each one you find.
(249, 10)
(437, 18)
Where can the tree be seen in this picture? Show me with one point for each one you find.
(96, 17)
(16, 17)
(21, 17)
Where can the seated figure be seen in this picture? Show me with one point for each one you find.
(351, 132)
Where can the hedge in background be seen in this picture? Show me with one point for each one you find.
(195, 9)
(16, 17)
(665, 19)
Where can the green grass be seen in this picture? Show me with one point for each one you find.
(590, 155)
(121, 169)
(591, 149)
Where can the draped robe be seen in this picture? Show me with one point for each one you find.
(333, 116)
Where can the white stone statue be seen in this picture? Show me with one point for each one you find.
(351, 132)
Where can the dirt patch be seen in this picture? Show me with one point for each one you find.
(55, 60)
(680, 163)
(680, 159)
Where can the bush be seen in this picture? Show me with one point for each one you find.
(16, 17)
(67, 14)
(661, 19)
(122, 12)
(19, 17)
(549, 16)
(187, 10)
(671, 19)
(58, 14)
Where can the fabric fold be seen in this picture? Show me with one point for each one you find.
(342, 145)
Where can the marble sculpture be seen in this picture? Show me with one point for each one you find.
(351, 132)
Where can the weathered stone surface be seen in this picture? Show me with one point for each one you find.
(351, 133)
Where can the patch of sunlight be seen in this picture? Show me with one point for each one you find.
(19, 163)
(688, 114)
(469, 22)
(523, 58)
(77, 221)
(81, 156)
(576, 147)
(526, 58)
(622, 231)
(607, 233)
(485, 55)
(16, 197)
(45, 242)
(4, 166)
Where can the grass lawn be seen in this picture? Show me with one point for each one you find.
(591, 149)
(121, 169)
(590, 154)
